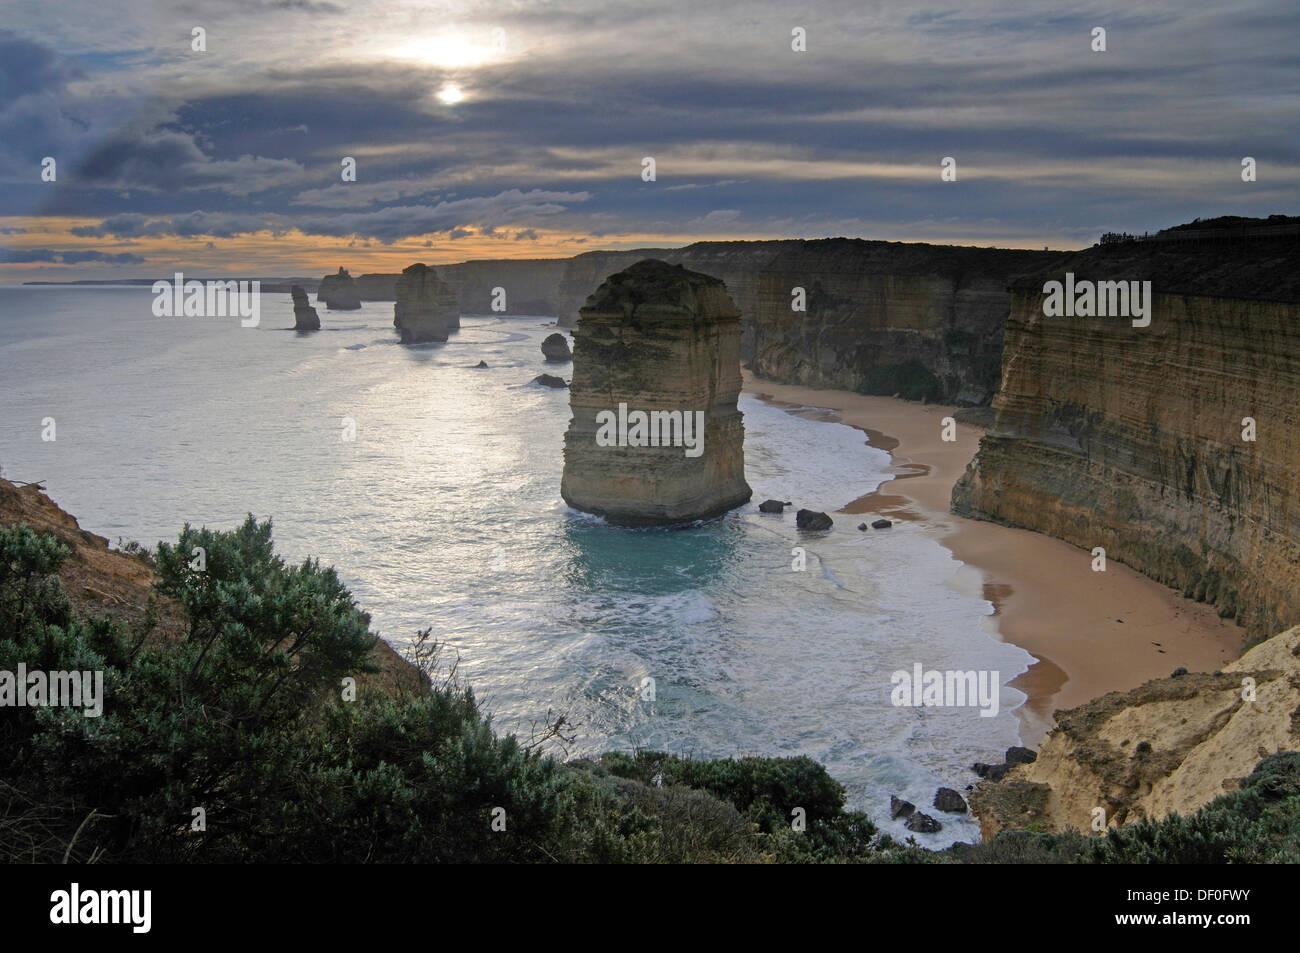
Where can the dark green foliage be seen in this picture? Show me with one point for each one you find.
(243, 716)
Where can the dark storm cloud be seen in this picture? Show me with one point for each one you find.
(750, 137)
(50, 256)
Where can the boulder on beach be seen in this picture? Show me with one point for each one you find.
(881, 524)
(549, 380)
(556, 349)
(812, 520)
(900, 808)
(773, 506)
(948, 800)
(862, 526)
(923, 824)
(1019, 755)
(305, 317)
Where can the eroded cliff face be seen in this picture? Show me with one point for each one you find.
(656, 338)
(736, 264)
(1173, 744)
(920, 321)
(1132, 439)
(531, 286)
(426, 309)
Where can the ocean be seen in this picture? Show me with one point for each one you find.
(445, 512)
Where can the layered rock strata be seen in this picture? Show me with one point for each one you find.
(1173, 744)
(305, 317)
(339, 292)
(656, 437)
(426, 309)
(1175, 447)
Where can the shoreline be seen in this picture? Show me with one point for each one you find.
(1091, 632)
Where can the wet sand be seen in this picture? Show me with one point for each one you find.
(1092, 632)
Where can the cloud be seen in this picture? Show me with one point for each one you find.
(74, 257)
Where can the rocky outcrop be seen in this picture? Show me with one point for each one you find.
(813, 521)
(305, 317)
(549, 380)
(426, 309)
(377, 286)
(339, 292)
(919, 321)
(1173, 744)
(656, 437)
(1136, 439)
(555, 348)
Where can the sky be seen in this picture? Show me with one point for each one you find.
(520, 129)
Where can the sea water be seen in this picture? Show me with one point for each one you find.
(445, 512)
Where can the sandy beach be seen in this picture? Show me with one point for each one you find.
(1092, 632)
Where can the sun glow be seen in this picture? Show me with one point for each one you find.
(451, 94)
(449, 52)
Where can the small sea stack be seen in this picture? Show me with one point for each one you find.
(556, 349)
(426, 309)
(656, 437)
(305, 317)
(339, 292)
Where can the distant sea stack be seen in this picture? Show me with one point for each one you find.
(656, 437)
(339, 292)
(305, 317)
(556, 349)
(426, 309)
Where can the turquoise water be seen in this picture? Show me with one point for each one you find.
(445, 511)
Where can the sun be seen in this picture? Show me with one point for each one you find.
(451, 94)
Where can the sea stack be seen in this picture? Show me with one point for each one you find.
(426, 309)
(656, 437)
(339, 292)
(305, 317)
(556, 349)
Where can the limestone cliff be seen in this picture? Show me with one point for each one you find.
(426, 308)
(528, 286)
(1173, 744)
(305, 317)
(921, 321)
(339, 292)
(737, 264)
(657, 340)
(1132, 438)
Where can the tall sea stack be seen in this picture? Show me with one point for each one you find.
(656, 437)
(305, 317)
(426, 309)
(339, 292)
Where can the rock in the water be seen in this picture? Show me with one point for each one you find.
(1019, 755)
(948, 800)
(923, 824)
(339, 292)
(556, 349)
(549, 380)
(812, 520)
(900, 808)
(426, 308)
(305, 317)
(862, 526)
(881, 524)
(773, 506)
(480, 364)
(656, 437)
(990, 772)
